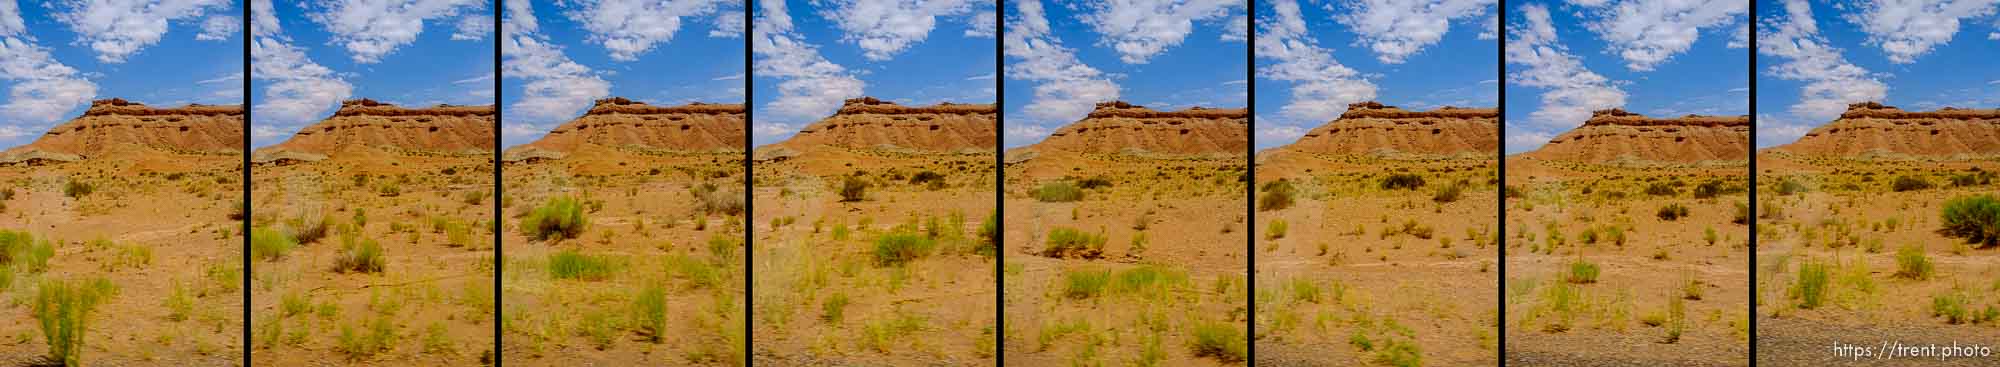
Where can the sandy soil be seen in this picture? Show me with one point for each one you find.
(1186, 278)
(1846, 215)
(824, 293)
(642, 216)
(1604, 216)
(433, 302)
(157, 228)
(1345, 266)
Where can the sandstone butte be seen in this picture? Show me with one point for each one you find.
(619, 123)
(116, 126)
(1124, 128)
(1615, 135)
(1872, 128)
(363, 124)
(1371, 127)
(869, 123)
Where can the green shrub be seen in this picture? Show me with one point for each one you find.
(63, 307)
(1402, 181)
(78, 189)
(1219, 340)
(1912, 263)
(1278, 195)
(1673, 211)
(650, 309)
(1789, 186)
(713, 201)
(1708, 189)
(1661, 189)
(570, 264)
(898, 247)
(1276, 229)
(1070, 242)
(1058, 192)
(1910, 183)
(358, 344)
(1810, 289)
(268, 244)
(989, 236)
(1977, 218)
(1447, 193)
(853, 188)
(1676, 319)
(834, 308)
(560, 218)
(308, 227)
(926, 177)
(363, 256)
(1952, 306)
(1085, 284)
(1742, 215)
(1582, 272)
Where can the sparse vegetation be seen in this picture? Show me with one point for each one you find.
(1672, 211)
(1278, 195)
(1810, 290)
(1912, 263)
(1058, 192)
(359, 256)
(1448, 193)
(63, 307)
(75, 189)
(1276, 229)
(900, 247)
(267, 244)
(1582, 272)
(853, 188)
(1065, 242)
(1402, 181)
(1661, 189)
(560, 218)
(1220, 340)
(1911, 183)
(571, 264)
(1977, 218)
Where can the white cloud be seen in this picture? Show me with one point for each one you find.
(736, 76)
(218, 28)
(1490, 29)
(1280, 133)
(299, 90)
(1322, 87)
(1026, 131)
(1908, 29)
(728, 24)
(1139, 29)
(267, 132)
(1831, 82)
(1571, 91)
(1069, 90)
(557, 88)
(1646, 33)
(482, 79)
(982, 25)
(772, 129)
(813, 87)
(523, 130)
(371, 29)
(986, 76)
(473, 28)
(1396, 29)
(263, 21)
(1237, 29)
(883, 28)
(44, 89)
(1521, 140)
(1742, 37)
(118, 29)
(1775, 131)
(628, 28)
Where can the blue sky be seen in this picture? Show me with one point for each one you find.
(1661, 59)
(162, 55)
(308, 57)
(1065, 56)
(1915, 56)
(1316, 57)
(559, 58)
(812, 55)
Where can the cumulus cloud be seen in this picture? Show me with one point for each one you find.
(370, 30)
(1027, 132)
(44, 89)
(1139, 29)
(1068, 89)
(1321, 87)
(218, 28)
(728, 24)
(1396, 29)
(628, 28)
(473, 28)
(557, 88)
(1774, 131)
(1831, 82)
(118, 29)
(1521, 140)
(297, 89)
(812, 86)
(1571, 91)
(1279, 133)
(1908, 29)
(884, 28)
(769, 129)
(982, 25)
(1646, 33)
(1237, 29)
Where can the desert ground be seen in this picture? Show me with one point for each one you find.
(126, 224)
(1877, 228)
(1128, 247)
(372, 239)
(1630, 236)
(1377, 238)
(873, 239)
(627, 247)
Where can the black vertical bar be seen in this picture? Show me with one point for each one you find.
(1752, 220)
(1250, 181)
(499, 255)
(749, 176)
(1500, 214)
(1000, 183)
(244, 251)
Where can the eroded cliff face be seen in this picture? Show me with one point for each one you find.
(116, 126)
(1616, 135)
(367, 124)
(1872, 128)
(620, 123)
(1370, 127)
(1119, 127)
(871, 123)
